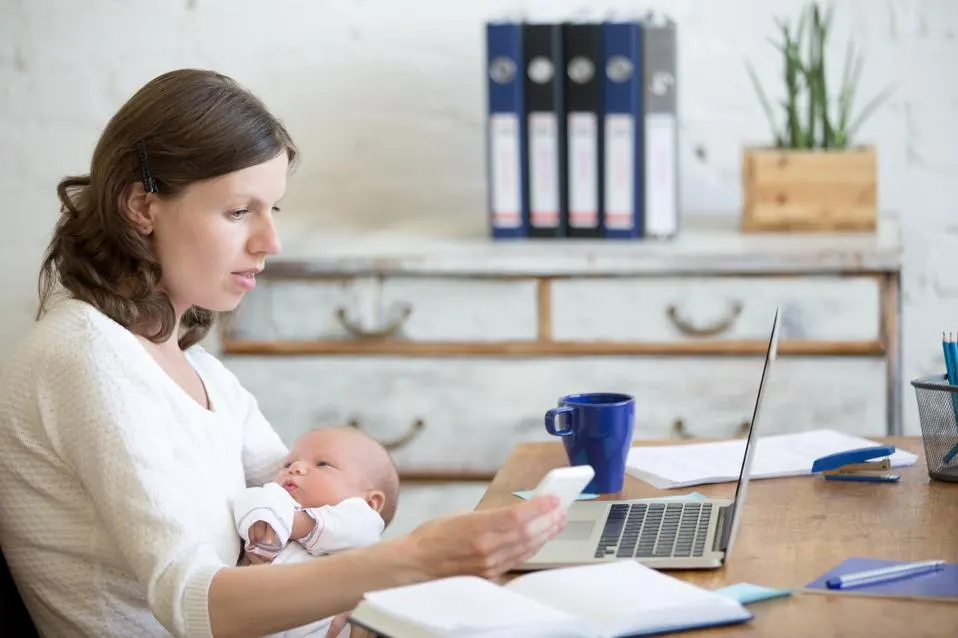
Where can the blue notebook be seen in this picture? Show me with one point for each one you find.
(938, 585)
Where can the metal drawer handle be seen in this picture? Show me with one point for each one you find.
(720, 326)
(415, 428)
(388, 330)
(678, 429)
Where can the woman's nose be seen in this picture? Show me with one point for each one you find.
(266, 240)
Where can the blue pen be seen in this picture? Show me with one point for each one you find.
(867, 478)
(951, 368)
(949, 362)
(884, 574)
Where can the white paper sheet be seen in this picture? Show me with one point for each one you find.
(779, 455)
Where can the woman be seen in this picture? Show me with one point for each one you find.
(122, 442)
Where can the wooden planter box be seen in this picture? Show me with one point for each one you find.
(809, 190)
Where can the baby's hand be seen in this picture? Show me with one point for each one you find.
(261, 534)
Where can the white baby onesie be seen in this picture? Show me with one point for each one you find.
(349, 524)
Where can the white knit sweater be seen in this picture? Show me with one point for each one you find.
(115, 485)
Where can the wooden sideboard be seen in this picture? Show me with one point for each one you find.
(450, 348)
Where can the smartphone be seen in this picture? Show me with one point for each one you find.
(565, 482)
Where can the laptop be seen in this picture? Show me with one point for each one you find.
(659, 533)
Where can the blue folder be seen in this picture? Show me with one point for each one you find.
(938, 585)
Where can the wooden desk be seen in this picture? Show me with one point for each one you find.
(795, 529)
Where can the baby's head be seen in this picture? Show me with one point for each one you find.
(327, 465)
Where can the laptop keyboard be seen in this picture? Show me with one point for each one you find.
(655, 530)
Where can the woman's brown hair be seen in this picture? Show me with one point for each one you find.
(182, 127)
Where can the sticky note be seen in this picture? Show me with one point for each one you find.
(585, 496)
(527, 494)
(746, 593)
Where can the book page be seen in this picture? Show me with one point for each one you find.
(666, 466)
(465, 604)
(625, 597)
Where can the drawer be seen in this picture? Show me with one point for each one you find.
(669, 310)
(466, 415)
(405, 308)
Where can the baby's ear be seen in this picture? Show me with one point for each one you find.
(376, 500)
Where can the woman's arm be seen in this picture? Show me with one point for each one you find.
(115, 431)
(262, 599)
(257, 600)
(111, 425)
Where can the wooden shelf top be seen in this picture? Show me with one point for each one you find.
(707, 245)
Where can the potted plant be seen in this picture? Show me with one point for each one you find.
(815, 177)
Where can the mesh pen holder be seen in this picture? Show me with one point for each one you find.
(938, 414)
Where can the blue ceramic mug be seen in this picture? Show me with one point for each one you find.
(596, 429)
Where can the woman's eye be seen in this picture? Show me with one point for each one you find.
(238, 214)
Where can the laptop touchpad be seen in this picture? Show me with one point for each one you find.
(576, 531)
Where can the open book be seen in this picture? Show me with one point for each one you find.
(607, 600)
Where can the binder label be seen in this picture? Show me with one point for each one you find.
(583, 170)
(506, 201)
(660, 178)
(619, 172)
(543, 169)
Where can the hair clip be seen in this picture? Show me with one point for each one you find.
(149, 184)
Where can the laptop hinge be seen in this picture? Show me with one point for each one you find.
(723, 530)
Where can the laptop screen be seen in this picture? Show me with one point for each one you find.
(742, 487)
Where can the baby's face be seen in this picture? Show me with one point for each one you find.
(324, 467)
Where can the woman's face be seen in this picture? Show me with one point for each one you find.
(214, 237)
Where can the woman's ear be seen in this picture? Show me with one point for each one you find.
(139, 208)
(376, 500)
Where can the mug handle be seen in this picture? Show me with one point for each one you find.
(553, 414)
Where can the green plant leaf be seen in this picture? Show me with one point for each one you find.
(846, 89)
(766, 105)
(793, 71)
(829, 12)
(848, 92)
(813, 78)
(869, 108)
(821, 97)
(775, 43)
(828, 119)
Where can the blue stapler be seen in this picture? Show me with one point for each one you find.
(864, 464)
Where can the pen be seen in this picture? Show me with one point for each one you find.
(884, 574)
(950, 456)
(866, 478)
(951, 376)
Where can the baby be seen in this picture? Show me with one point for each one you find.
(337, 490)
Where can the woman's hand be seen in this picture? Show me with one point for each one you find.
(489, 542)
(485, 543)
(252, 558)
(339, 623)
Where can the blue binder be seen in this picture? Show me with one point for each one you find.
(506, 133)
(623, 181)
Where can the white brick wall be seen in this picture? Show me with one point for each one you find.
(385, 99)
